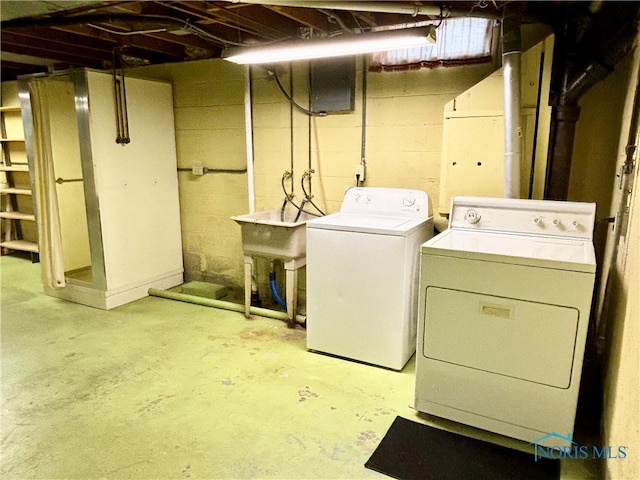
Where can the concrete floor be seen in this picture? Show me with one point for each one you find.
(159, 389)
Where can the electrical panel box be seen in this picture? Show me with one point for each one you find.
(333, 84)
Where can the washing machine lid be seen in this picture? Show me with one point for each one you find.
(373, 224)
(546, 252)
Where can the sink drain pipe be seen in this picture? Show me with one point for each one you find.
(235, 307)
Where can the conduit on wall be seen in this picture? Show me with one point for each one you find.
(248, 126)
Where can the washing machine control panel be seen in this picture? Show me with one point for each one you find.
(535, 217)
(387, 201)
(472, 217)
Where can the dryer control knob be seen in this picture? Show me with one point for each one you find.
(557, 222)
(472, 217)
(537, 221)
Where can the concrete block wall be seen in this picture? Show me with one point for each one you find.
(210, 132)
(403, 146)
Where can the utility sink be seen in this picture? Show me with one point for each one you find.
(266, 234)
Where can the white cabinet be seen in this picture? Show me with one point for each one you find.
(118, 208)
(473, 155)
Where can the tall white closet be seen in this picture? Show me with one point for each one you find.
(108, 213)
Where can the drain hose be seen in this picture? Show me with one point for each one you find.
(274, 291)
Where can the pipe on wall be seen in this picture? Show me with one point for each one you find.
(248, 126)
(234, 307)
(563, 132)
(511, 59)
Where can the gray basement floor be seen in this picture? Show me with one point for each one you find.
(159, 389)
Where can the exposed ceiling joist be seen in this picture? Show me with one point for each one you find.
(87, 33)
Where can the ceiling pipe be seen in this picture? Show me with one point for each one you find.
(586, 79)
(576, 82)
(511, 59)
(408, 8)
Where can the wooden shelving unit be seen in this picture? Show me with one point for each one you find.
(15, 191)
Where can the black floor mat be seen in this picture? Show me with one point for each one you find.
(411, 450)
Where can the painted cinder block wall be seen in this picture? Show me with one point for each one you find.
(403, 146)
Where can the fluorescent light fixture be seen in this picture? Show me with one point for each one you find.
(343, 45)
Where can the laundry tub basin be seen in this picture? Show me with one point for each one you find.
(266, 234)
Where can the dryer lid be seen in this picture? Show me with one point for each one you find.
(547, 252)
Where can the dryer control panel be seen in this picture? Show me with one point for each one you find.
(398, 202)
(520, 216)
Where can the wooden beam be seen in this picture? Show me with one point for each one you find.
(305, 16)
(257, 18)
(49, 47)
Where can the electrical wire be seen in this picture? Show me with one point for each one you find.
(292, 101)
(334, 18)
(133, 32)
(206, 170)
(172, 22)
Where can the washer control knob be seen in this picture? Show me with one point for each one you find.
(575, 223)
(537, 221)
(472, 217)
(557, 222)
(408, 201)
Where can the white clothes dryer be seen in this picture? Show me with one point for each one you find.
(363, 273)
(505, 298)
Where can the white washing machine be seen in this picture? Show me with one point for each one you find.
(363, 273)
(505, 296)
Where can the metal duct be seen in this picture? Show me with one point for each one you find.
(511, 56)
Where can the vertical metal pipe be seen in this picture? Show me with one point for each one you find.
(248, 123)
(512, 52)
(563, 128)
(363, 143)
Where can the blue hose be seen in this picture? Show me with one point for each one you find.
(274, 291)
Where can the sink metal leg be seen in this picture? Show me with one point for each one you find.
(292, 296)
(291, 268)
(248, 272)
